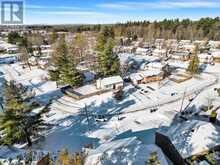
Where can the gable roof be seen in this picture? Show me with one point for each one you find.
(193, 137)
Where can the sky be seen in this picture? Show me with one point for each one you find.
(114, 11)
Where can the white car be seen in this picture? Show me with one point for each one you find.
(100, 118)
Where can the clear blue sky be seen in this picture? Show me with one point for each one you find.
(112, 11)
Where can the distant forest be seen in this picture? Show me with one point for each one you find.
(205, 28)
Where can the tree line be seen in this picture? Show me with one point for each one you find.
(205, 28)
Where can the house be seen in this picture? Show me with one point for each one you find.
(151, 76)
(180, 55)
(156, 66)
(184, 42)
(125, 49)
(188, 139)
(188, 47)
(9, 48)
(136, 78)
(148, 44)
(216, 54)
(12, 48)
(45, 47)
(127, 151)
(205, 58)
(143, 51)
(172, 44)
(114, 82)
(214, 44)
(12, 155)
(159, 43)
(159, 52)
(200, 43)
(45, 53)
(136, 43)
(147, 76)
(8, 58)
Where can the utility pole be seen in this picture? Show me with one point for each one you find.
(1, 104)
(87, 116)
(184, 95)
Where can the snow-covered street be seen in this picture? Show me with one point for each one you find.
(128, 118)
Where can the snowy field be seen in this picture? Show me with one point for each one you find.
(126, 119)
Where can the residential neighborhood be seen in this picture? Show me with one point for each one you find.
(131, 93)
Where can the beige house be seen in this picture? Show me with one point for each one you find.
(205, 58)
(146, 77)
(181, 55)
(110, 83)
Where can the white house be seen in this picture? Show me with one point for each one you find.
(216, 54)
(159, 43)
(188, 47)
(143, 51)
(184, 42)
(181, 55)
(45, 47)
(205, 58)
(114, 82)
(200, 42)
(214, 44)
(12, 49)
(155, 66)
(159, 52)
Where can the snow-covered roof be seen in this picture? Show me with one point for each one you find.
(139, 49)
(112, 80)
(204, 56)
(158, 65)
(159, 51)
(12, 153)
(182, 53)
(124, 151)
(193, 137)
(6, 152)
(185, 41)
(8, 46)
(214, 43)
(216, 53)
(149, 73)
(136, 76)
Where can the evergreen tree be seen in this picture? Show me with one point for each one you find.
(54, 37)
(108, 61)
(65, 71)
(60, 61)
(105, 34)
(80, 45)
(18, 123)
(24, 56)
(13, 37)
(193, 67)
(75, 77)
(153, 159)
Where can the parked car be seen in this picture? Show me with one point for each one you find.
(100, 118)
(173, 94)
(153, 110)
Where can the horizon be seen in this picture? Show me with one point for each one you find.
(112, 11)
